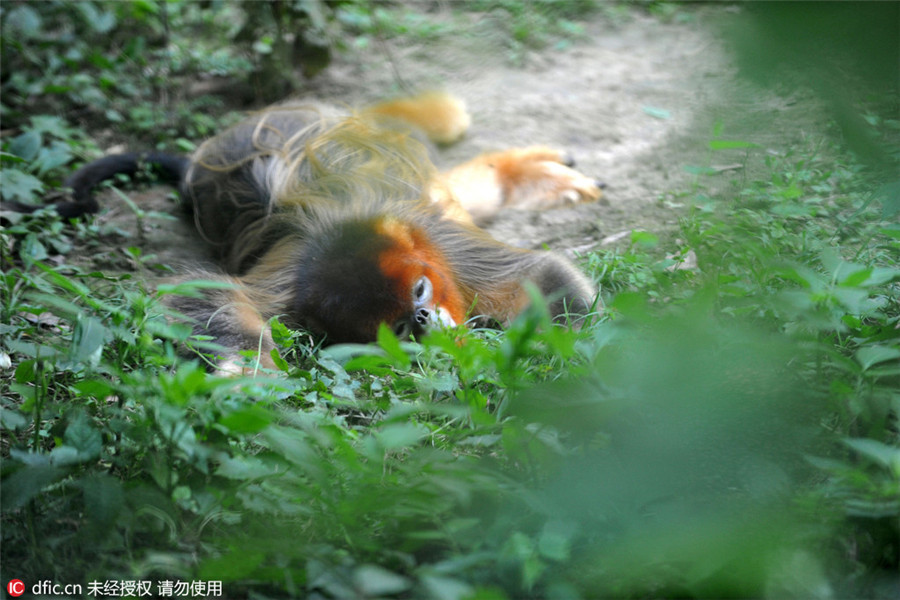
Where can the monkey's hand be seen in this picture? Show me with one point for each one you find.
(572, 298)
(230, 317)
(501, 286)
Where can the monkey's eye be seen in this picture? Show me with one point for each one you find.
(422, 291)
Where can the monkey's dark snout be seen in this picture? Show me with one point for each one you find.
(423, 316)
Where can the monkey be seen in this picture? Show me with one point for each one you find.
(337, 221)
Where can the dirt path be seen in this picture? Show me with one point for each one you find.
(623, 101)
(634, 101)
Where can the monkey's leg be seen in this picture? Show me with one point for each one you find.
(532, 178)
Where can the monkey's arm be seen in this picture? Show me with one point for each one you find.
(570, 296)
(232, 319)
(492, 276)
(569, 293)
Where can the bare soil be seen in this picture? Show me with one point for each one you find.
(634, 101)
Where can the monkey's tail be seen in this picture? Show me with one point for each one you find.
(168, 167)
(442, 117)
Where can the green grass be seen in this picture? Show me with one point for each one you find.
(718, 420)
(728, 426)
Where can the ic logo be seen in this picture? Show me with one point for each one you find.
(15, 587)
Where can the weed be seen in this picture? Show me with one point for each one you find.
(728, 426)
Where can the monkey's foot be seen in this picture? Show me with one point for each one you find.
(532, 178)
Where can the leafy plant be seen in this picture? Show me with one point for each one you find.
(727, 425)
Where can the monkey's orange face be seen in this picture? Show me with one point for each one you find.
(418, 270)
(373, 272)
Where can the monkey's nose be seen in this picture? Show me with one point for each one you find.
(434, 317)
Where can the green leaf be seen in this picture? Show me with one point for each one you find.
(28, 393)
(250, 419)
(26, 145)
(243, 468)
(22, 22)
(103, 499)
(806, 277)
(17, 186)
(263, 45)
(88, 340)
(632, 305)
(857, 278)
(870, 277)
(889, 196)
(400, 435)
(94, 388)
(446, 588)
(376, 364)
(64, 456)
(439, 382)
(290, 444)
(644, 238)
(390, 344)
(53, 157)
(142, 8)
(522, 548)
(105, 22)
(53, 125)
(854, 300)
(99, 22)
(556, 539)
(868, 356)
(886, 456)
(373, 580)
(26, 483)
(59, 305)
(730, 144)
(32, 250)
(193, 288)
(11, 159)
(64, 282)
(25, 371)
(237, 564)
(11, 419)
(82, 436)
(792, 192)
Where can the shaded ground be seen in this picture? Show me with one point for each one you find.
(634, 101)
